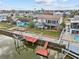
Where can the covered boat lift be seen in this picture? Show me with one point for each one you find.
(30, 39)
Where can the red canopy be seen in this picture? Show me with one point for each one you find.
(42, 51)
(30, 39)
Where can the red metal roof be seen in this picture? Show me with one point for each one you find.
(30, 39)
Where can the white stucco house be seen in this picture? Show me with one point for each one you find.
(74, 25)
(3, 17)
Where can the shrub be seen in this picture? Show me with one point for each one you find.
(31, 24)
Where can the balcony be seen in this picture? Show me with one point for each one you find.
(75, 27)
(52, 24)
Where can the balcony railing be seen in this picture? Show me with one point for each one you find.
(75, 27)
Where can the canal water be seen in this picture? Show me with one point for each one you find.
(7, 50)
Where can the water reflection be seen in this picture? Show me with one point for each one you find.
(7, 50)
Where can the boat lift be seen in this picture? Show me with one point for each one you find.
(19, 43)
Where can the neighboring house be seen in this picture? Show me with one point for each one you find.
(3, 17)
(58, 13)
(46, 20)
(74, 25)
(22, 22)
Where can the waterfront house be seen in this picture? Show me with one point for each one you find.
(22, 22)
(3, 17)
(58, 13)
(74, 25)
(47, 21)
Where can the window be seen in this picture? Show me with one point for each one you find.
(49, 21)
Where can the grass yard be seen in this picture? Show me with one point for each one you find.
(45, 32)
(5, 25)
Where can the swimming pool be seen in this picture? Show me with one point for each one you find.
(76, 37)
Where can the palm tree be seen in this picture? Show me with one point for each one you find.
(10, 20)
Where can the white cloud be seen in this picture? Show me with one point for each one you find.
(50, 2)
(46, 2)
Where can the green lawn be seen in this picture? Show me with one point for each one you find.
(6, 25)
(45, 32)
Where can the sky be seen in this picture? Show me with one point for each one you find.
(38, 4)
